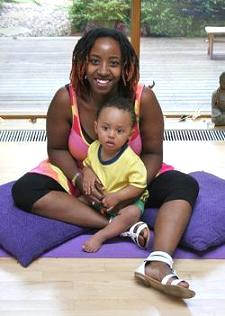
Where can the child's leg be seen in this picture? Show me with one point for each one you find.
(125, 219)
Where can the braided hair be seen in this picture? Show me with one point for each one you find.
(129, 62)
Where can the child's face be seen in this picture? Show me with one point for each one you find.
(113, 127)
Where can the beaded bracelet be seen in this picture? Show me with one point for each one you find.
(75, 177)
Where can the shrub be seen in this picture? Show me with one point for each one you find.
(159, 17)
(98, 12)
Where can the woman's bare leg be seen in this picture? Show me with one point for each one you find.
(172, 219)
(67, 208)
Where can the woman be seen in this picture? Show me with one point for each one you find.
(104, 65)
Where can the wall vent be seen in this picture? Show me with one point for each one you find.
(25, 135)
(22, 135)
(200, 135)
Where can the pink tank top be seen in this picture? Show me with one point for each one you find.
(78, 146)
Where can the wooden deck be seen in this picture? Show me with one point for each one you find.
(31, 69)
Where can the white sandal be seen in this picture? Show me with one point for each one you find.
(171, 288)
(134, 233)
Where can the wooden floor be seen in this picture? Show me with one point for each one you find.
(31, 69)
(101, 287)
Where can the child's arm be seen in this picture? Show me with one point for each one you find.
(130, 192)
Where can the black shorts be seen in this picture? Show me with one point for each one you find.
(172, 185)
(168, 186)
(31, 187)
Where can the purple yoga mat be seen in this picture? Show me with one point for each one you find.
(120, 248)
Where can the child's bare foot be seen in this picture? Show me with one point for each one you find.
(93, 244)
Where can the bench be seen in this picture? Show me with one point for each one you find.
(212, 33)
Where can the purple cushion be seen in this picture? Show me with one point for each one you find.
(206, 228)
(26, 236)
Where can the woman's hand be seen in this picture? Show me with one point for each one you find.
(91, 186)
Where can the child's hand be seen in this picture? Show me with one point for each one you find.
(107, 211)
(110, 200)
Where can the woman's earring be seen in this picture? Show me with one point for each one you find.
(124, 81)
(85, 77)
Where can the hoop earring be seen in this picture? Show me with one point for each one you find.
(124, 81)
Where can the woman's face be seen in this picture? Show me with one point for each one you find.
(104, 66)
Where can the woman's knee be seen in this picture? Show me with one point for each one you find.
(174, 185)
(187, 189)
(192, 187)
(30, 188)
(19, 194)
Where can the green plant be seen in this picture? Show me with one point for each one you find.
(159, 17)
(99, 12)
(202, 13)
(162, 19)
(181, 17)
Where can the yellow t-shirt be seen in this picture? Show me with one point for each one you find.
(115, 174)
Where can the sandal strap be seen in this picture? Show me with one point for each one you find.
(135, 231)
(160, 256)
(139, 230)
(134, 235)
(177, 281)
(169, 276)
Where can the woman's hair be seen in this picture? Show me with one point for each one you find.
(120, 103)
(129, 62)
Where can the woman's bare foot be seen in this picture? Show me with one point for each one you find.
(158, 270)
(93, 244)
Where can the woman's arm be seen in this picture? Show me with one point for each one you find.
(152, 132)
(59, 121)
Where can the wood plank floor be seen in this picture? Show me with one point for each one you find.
(100, 287)
(31, 69)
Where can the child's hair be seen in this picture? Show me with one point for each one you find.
(129, 61)
(120, 103)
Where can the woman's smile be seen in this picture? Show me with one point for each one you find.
(103, 83)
